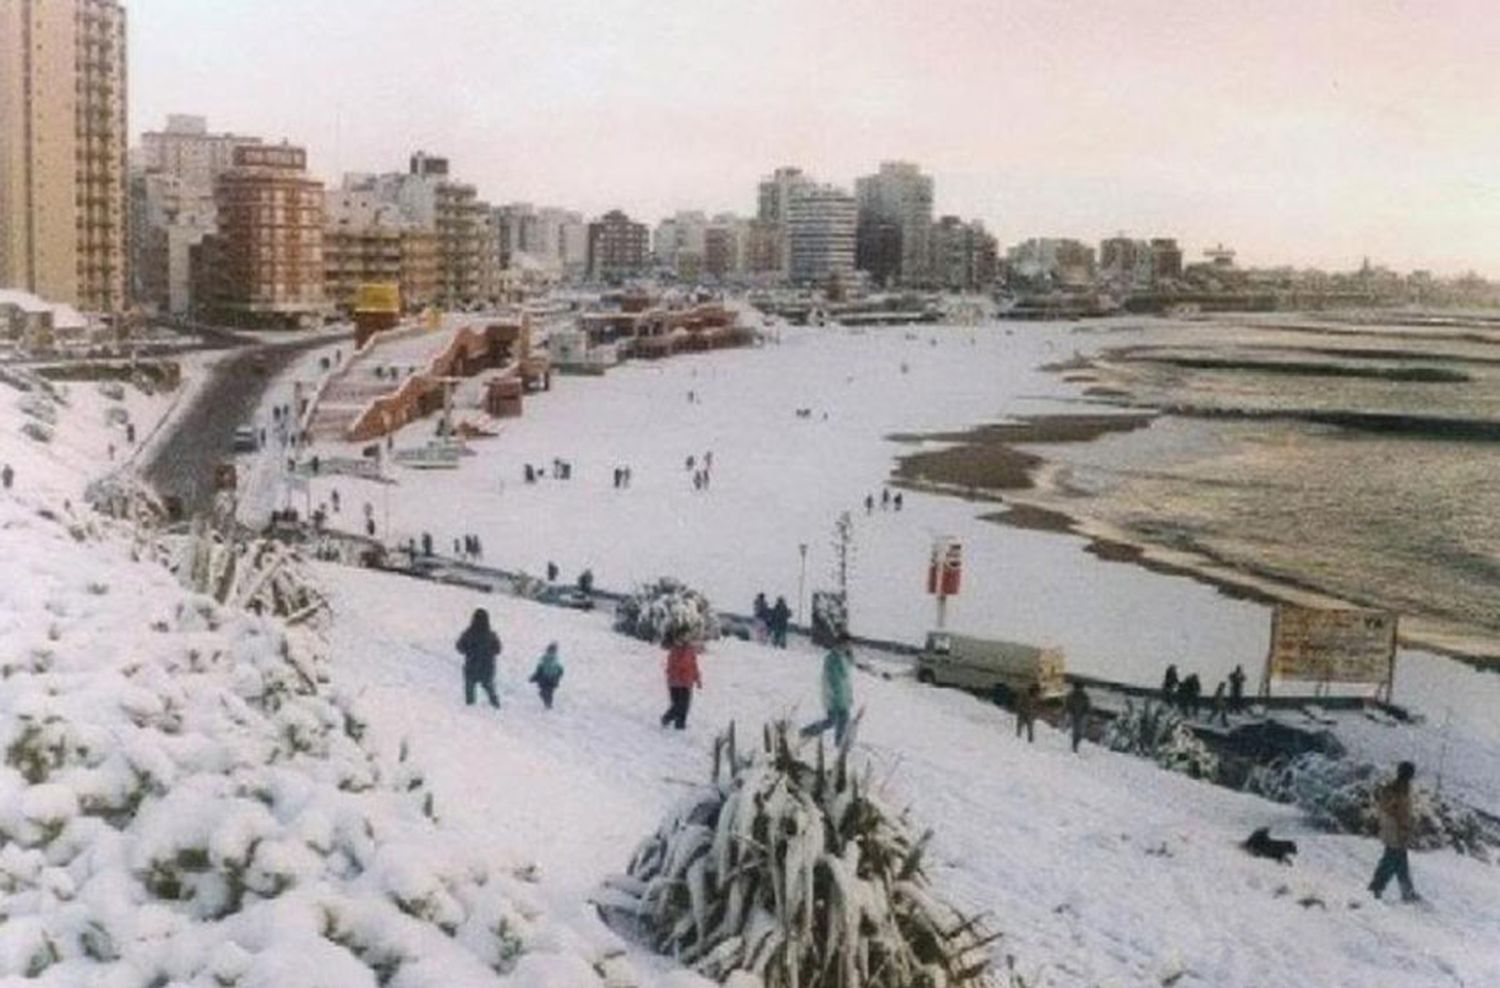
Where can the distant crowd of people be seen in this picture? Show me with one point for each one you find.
(1185, 693)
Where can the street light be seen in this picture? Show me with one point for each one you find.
(801, 578)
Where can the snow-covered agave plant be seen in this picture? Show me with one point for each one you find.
(1159, 732)
(787, 871)
(665, 609)
(259, 575)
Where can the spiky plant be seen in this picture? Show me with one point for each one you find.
(1159, 732)
(787, 867)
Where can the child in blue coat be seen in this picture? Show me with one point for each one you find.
(549, 672)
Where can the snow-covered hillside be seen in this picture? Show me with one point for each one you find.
(1100, 868)
(186, 800)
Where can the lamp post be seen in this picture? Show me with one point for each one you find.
(801, 578)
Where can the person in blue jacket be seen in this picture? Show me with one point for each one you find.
(548, 673)
(479, 646)
(838, 691)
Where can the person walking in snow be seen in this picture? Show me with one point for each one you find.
(480, 646)
(7, 476)
(838, 691)
(551, 572)
(1027, 702)
(1237, 689)
(426, 543)
(1169, 685)
(762, 612)
(682, 678)
(1077, 707)
(548, 673)
(1393, 806)
(1216, 709)
(1190, 691)
(898, 500)
(869, 503)
(781, 616)
(885, 498)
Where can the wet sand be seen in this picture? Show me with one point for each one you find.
(984, 464)
(984, 459)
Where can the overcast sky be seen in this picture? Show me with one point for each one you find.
(1301, 132)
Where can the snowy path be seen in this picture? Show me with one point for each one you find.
(1101, 869)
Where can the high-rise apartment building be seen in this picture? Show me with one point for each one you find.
(678, 243)
(773, 205)
(63, 142)
(265, 264)
(368, 240)
(187, 150)
(965, 257)
(617, 246)
(895, 223)
(820, 227)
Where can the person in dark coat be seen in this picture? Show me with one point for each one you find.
(682, 678)
(1027, 702)
(479, 646)
(1077, 707)
(586, 582)
(762, 612)
(781, 616)
(898, 500)
(1237, 690)
(1393, 807)
(1169, 685)
(1216, 710)
(551, 572)
(7, 476)
(548, 673)
(1191, 691)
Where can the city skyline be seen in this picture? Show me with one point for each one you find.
(1307, 134)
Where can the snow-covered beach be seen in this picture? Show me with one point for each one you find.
(1098, 869)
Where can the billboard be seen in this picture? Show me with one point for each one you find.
(1346, 645)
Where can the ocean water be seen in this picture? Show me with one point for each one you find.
(1407, 518)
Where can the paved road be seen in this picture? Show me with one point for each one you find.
(182, 463)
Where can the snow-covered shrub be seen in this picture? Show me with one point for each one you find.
(830, 617)
(787, 870)
(260, 575)
(1159, 732)
(666, 609)
(183, 800)
(1338, 795)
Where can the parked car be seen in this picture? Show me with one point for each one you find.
(245, 440)
(994, 668)
(568, 597)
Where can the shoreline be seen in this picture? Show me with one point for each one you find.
(981, 464)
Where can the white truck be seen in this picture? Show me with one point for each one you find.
(998, 669)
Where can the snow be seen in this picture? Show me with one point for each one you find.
(1100, 868)
(780, 481)
(188, 752)
(184, 799)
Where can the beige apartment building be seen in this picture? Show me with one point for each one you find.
(62, 150)
(265, 264)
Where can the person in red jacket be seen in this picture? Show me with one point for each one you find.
(682, 677)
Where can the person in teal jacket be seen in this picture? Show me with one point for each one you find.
(838, 692)
(549, 672)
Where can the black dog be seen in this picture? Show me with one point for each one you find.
(1262, 845)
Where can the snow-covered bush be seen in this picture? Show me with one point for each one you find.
(830, 617)
(787, 870)
(666, 609)
(184, 801)
(1159, 732)
(1338, 795)
(260, 575)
